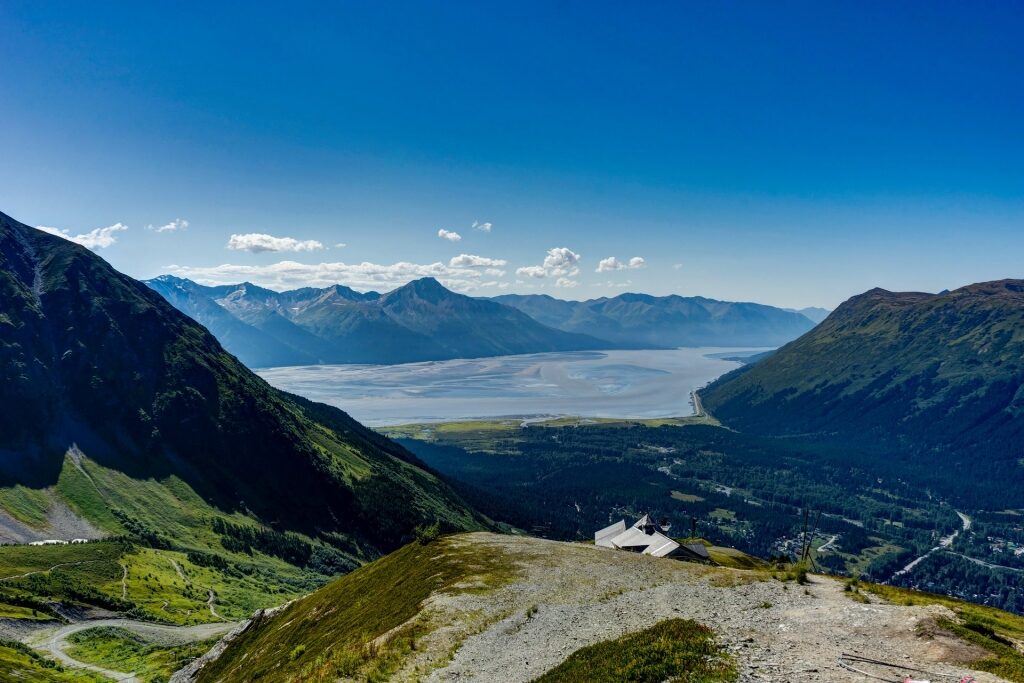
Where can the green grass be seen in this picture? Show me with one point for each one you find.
(686, 497)
(121, 650)
(20, 663)
(990, 628)
(335, 626)
(21, 559)
(8, 611)
(26, 505)
(157, 589)
(676, 649)
(1002, 623)
(1005, 660)
(735, 559)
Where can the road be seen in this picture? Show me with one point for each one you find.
(827, 546)
(698, 407)
(944, 543)
(56, 641)
(989, 565)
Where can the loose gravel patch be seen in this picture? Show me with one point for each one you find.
(572, 595)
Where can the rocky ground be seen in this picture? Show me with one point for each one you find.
(572, 595)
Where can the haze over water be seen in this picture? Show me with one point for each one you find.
(622, 384)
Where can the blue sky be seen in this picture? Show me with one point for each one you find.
(788, 153)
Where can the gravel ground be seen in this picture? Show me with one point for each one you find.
(61, 524)
(584, 594)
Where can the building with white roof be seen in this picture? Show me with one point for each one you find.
(647, 538)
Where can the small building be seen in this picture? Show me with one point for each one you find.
(648, 538)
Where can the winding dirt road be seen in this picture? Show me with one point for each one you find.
(55, 642)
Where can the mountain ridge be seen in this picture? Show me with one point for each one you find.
(937, 378)
(646, 321)
(100, 363)
(422, 320)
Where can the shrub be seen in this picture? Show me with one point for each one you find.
(427, 534)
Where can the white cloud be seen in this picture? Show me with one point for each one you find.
(255, 242)
(449, 235)
(365, 276)
(99, 238)
(618, 285)
(470, 261)
(560, 262)
(340, 245)
(566, 282)
(610, 264)
(174, 226)
(531, 271)
(677, 266)
(495, 272)
(483, 227)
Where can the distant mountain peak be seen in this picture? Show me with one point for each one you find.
(425, 288)
(421, 320)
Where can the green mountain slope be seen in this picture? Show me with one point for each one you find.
(644, 321)
(935, 380)
(131, 418)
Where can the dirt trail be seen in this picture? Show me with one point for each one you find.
(209, 603)
(55, 642)
(48, 569)
(584, 594)
(178, 570)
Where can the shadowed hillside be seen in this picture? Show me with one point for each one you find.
(935, 379)
(98, 364)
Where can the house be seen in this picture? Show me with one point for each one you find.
(648, 538)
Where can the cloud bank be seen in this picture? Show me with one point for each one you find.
(470, 261)
(611, 264)
(255, 243)
(363, 276)
(174, 226)
(100, 238)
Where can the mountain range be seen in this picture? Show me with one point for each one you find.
(644, 321)
(416, 322)
(935, 380)
(100, 374)
(425, 321)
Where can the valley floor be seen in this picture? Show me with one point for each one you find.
(572, 595)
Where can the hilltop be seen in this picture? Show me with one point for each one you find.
(508, 609)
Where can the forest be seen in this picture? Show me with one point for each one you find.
(760, 495)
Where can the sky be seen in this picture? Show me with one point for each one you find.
(788, 153)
